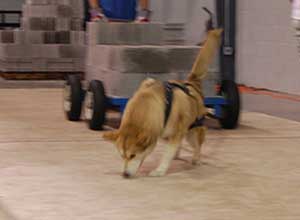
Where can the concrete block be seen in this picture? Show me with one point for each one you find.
(79, 64)
(77, 24)
(154, 59)
(124, 85)
(70, 51)
(63, 11)
(63, 37)
(181, 58)
(124, 33)
(143, 59)
(34, 37)
(37, 2)
(7, 36)
(57, 37)
(78, 8)
(50, 37)
(45, 51)
(63, 24)
(39, 65)
(77, 37)
(14, 51)
(174, 34)
(12, 37)
(38, 24)
(20, 37)
(60, 65)
(8, 66)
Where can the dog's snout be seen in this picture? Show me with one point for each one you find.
(126, 175)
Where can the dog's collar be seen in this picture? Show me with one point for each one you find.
(169, 100)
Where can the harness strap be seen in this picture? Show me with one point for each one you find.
(198, 123)
(169, 100)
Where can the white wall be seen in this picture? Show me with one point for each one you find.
(267, 54)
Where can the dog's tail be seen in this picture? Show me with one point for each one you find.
(206, 55)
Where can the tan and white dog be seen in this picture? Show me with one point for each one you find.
(143, 122)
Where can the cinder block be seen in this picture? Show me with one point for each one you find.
(77, 37)
(174, 34)
(34, 37)
(14, 51)
(154, 59)
(20, 37)
(38, 24)
(125, 33)
(7, 36)
(57, 37)
(70, 51)
(60, 65)
(76, 24)
(63, 24)
(77, 8)
(181, 58)
(39, 65)
(37, 2)
(63, 11)
(9, 66)
(45, 51)
(12, 37)
(79, 64)
(143, 59)
(50, 37)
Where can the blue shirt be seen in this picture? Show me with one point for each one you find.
(119, 9)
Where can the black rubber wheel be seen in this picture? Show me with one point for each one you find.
(73, 97)
(95, 105)
(231, 111)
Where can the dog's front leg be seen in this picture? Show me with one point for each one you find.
(168, 156)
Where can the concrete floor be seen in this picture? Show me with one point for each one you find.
(52, 169)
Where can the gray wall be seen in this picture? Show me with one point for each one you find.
(11, 4)
(267, 54)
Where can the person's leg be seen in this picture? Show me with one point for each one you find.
(94, 4)
(144, 4)
(96, 13)
(144, 12)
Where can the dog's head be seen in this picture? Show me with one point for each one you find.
(132, 148)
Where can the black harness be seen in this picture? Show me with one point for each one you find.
(199, 122)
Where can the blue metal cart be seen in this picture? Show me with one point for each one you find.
(225, 105)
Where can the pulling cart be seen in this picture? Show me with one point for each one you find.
(90, 96)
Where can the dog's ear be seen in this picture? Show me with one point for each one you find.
(111, 135)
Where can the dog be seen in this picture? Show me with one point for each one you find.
(149, 116)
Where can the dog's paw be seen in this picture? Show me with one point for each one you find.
(157, 173)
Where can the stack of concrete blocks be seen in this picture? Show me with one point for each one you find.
(122, 55)
(51, 38)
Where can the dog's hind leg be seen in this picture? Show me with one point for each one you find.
(196, 138)
(169, 154)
